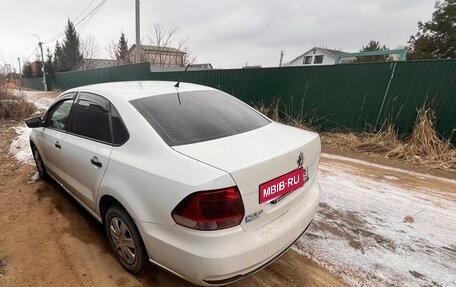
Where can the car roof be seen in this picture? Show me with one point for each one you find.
(132, 90)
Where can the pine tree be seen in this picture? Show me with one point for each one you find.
(49, 64)
(436, 39)
(373, 46)
(38, 69)
(71, 54)
(122, 49)
(58, 54)
(27, 70)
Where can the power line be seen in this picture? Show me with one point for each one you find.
(79, 15)
(87, 16)
(18, 53)
(92, 12)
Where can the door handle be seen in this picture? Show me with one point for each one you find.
(96, 162)
(57, 144)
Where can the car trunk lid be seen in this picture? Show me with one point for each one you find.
(262, 158)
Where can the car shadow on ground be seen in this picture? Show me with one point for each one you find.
(292, 269)
(85, 228)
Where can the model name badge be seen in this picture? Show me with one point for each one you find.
(253, 216)
(281, 185)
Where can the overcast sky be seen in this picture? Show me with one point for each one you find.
(227, 34)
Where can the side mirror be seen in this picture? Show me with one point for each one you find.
(34, 122)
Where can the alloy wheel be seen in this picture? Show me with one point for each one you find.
(122, 240)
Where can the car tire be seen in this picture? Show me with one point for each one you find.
(125, 240)
(40, 167)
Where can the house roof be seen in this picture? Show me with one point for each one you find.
(96, 63)
(202, 66)
(157, 48)
(330, 52)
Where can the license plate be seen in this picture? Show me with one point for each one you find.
(283, 184)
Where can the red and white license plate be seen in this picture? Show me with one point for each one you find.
(284, 184)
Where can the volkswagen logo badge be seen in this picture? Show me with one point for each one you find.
(300, 159)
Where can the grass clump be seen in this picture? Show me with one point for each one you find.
(423, 146)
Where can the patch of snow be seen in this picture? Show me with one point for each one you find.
(42, 100)
(33, 178)
(20, 146)
(375, 233)
(393, 169)
(390, 177)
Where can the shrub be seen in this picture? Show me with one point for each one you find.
(14, 105)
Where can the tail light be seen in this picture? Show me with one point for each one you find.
(210, 210)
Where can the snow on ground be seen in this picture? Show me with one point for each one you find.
(372, 232)
(20, 146)
(42, 100)
(369, 231)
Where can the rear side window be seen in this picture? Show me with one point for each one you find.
(198, 116)
(91, 118)
(119, 131)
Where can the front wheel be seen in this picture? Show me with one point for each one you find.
(125, 240)
(39, 164)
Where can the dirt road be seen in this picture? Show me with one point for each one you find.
(374, 227)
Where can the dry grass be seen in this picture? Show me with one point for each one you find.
(273, 112)
(423, 146)
(14, 107)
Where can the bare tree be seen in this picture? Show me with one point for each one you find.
(111, 50)
(165, 50)
(90, 51)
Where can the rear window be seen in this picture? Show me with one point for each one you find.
(198, 116)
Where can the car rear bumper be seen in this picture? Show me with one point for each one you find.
(224, 256)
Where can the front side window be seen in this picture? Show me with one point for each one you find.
(307, 60)
(318, 59)
(197, 116)
(59, 115)
(91, 118)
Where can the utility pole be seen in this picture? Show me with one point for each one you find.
(20, 70)
(138, 40)
(281, 58)
(42, 66)
(42, 62)
(20, 73)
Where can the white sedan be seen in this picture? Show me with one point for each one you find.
(184, 176)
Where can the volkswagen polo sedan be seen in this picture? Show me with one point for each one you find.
(184, 176)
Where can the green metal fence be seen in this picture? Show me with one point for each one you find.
(349, 96)
(67, 80)
(37, 83)
(346, 96)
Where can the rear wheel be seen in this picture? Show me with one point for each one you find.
(125, 240)
(39, 164)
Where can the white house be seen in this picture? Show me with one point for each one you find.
(158, 56)
(318, 56)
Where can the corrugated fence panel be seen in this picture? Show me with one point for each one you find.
(37, 83)
(67, 80)
(346, 96)
(419, 83)
(350, 96)
(335, 96)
